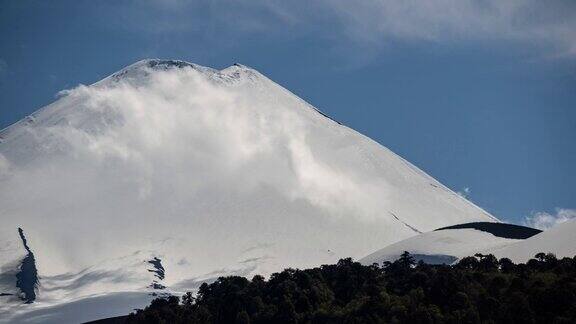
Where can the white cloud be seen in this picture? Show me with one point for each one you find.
(464, 192)
(552, 22)
(544, 220)
(4, 165)
(549, 25)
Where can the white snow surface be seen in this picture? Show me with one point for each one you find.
(560, 240)
(457, 243)
(214, 172)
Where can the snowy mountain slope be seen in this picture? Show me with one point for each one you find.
(560, 240)
(447, 245)
(213, 172)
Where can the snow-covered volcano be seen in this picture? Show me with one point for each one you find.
(167, 173)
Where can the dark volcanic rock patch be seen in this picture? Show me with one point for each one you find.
(435, 258)
(159, 273)
(27, 277)
(499, 229)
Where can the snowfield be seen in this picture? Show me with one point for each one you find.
(212, 172)
(437, 247)
(448, 245)
(560, 240)
(517, 243)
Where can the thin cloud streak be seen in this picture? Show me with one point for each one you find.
(549, 26)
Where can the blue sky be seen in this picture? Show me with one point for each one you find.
(480, 94)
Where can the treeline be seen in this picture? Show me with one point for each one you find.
(479, 289)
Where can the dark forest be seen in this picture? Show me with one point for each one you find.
(478, 289)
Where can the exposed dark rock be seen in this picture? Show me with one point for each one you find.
(499, 229)
(159, 271)
(165, 64)
(27, 277)
(111, 320)
(405, 224)
(435, 258)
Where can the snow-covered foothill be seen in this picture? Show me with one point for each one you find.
(559, 240)
(447, 245)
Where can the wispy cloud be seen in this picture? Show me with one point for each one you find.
(549, 25)
(544, 220)
(464, 192)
